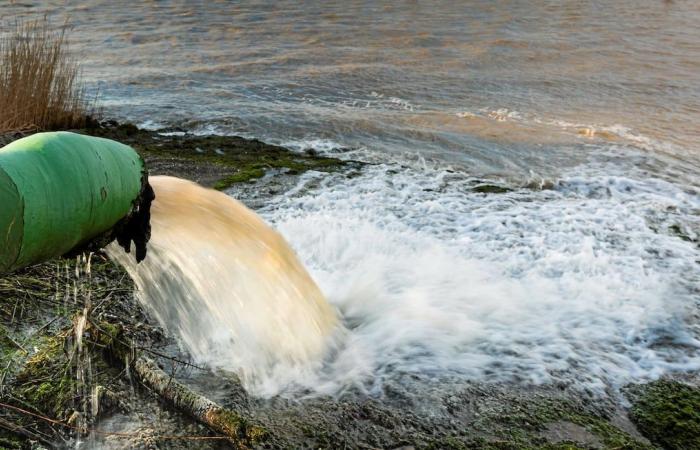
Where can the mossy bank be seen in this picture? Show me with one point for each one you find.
(668, 413)
(213, 161)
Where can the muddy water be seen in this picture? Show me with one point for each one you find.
(484, 84)
(227, 285)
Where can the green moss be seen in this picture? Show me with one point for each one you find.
(236, 426)
(257, 434)
(447, 443)
(452, 443)
(562, 446)
(247, 173)
(668, 414)
(37, 371)
(522, 425)
(46, 382)
(244, 175)
(609, 434)
(105, 333)
(47, 378)
(8, 347)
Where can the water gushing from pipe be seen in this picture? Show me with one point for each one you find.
(226, 284)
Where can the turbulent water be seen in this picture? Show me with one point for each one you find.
(587, 272)
(226, 284)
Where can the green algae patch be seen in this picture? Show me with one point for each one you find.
(9, 348)
(520, 426)
(242, 176)
(483, 444)
(609, 434)
(47, 380)
(109, 332)
(562, 446)
(234, 425)
(668, 414)
(288, 165)
(41, 369)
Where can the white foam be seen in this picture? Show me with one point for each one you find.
(571, 285)
(151, 125)
(320, 145)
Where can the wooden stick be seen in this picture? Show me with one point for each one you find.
(221, 420)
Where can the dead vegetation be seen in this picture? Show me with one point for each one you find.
(75, 348)
(40, 82)
(47, 344)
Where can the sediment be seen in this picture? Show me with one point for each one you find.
(65, 331)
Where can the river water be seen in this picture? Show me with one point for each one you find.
(586, 272)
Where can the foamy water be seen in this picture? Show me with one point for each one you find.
(585, 284)
(591, 282)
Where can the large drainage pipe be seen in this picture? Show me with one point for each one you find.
(62, 193)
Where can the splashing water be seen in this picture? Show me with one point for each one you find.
(431, 279)
(582, 285)
(226, 284)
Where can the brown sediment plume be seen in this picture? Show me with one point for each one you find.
(226, 284)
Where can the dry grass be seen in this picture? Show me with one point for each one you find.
(40, 84)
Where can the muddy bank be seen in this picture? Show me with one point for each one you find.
(61, 325)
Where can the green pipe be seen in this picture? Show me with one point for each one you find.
(62, 192)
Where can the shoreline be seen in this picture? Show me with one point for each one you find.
(477, 415)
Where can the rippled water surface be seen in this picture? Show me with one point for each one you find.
(507, 88)
(593, 280)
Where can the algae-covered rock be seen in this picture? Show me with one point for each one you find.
(668, 413)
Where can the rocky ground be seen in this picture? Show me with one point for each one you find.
(66, 324)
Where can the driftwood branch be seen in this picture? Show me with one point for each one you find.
(219, 419)
(242, 433)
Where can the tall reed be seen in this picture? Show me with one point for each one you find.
(40, 84)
